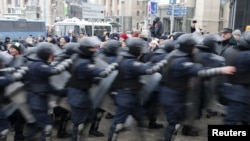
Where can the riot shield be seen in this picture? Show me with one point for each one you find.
(17, 93)
(99, 91)
(150, 84)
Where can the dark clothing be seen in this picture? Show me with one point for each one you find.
(158, 29)
(237, 90)
(82, 108)
(224, 45)
(39, 89)
(127, 99)
(173, 93)
(4, 81)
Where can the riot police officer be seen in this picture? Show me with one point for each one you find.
(83, 72)
(127, 100)
(39, 89)
(179, 70)
(16, 119)
(109, 55)
(4, 81)
(152, 103)
(209, 91)
(236, 90)
(62, 114)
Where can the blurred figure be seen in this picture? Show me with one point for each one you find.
(39, 89)
(236, 90)
(16, 119)
(158, 28)
(63, 40)
(81, 35)
(83, 73)
(228, 41)
(153, 45)
(173, 92)
(123, 38)
(6, 42)
(237, 34)
(152, 104)
(4, 81)
(130, 70)
(109, 55)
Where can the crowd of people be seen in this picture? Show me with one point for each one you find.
(202, 69)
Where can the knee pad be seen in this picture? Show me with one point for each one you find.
(99, 115)
(48, 129)
(177, 126)
(80, 127)
(119, 127)
(3, 134)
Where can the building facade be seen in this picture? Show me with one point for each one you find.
(129, 15)
(211, 16)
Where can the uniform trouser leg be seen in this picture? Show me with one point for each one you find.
(77, 132)
(19, 126)
(46, 133)
(235, 113)
(32, 131)
(117, 125)
(174, 114)
(64, 117)
(139, 114)
(96, 120)
(43, 125)
(80, 117)
(4, 126)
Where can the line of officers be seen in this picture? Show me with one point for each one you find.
(189, 65)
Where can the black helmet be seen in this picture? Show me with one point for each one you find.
(176, 35)
(71, 48)
(135, 45)
(157, 19)
(5, 58)
(244, 41)
(186, 43)
(87, 43)
(44, 50)
(115, 36)
(168, 45)
(209, 42)
(112, 47)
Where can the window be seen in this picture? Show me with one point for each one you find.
(138, 13)
(88, 30)
(9, 1)
(6, 26)
(20, 26)
(34, 26)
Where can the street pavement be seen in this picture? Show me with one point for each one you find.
(131, 133)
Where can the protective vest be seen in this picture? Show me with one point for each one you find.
(237, 78)
(74, 82)
(179, 83)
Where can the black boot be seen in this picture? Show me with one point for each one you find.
(153, 125)
(61, 132)
(19, 137)
(95, 133)
(211, 113)
(189, 131)
(109, 116)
